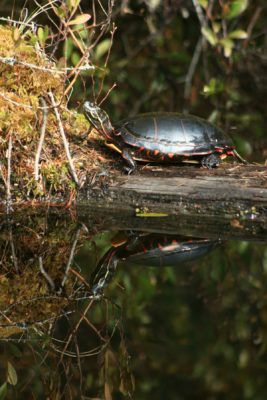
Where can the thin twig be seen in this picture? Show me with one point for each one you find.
(8, 183)
(3, 174)
(18, 22)
(107, 94)
(64, 139)
(192, 68)
(112, 32)
(19, 104)
(252, 22)
(13, 61)
(41, 140)
(200, 13)
(76, 73)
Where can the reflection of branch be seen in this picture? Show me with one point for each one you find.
(94, 351)
(72, 252)
(75, 329)
(46, 275)
(64, 139)
(41, 140)
(13, 251)
(8, 182)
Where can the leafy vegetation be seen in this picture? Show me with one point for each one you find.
(203, 57)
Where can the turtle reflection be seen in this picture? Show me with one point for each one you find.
(147, 249)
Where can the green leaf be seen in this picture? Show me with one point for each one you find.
(209, 35)
(12, 377)
(204, 3)
(68, 48)
(80, 19)
(16, 34)
(216, 26)
(75, 57)
(42, 34)
(73, 4)
(228, 45)
(213, 87)
(238, 34)
(3, 391)
(102, 48)
(236, 7)
(60, 12)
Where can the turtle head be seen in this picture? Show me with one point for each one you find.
(98, 117)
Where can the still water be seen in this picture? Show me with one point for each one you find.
(88, 312)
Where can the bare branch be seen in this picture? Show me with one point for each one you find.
(12, 61)
(8, 187)
(13, 251)
(41, 140)
(192, 68)
(200, 13)
(64, 139)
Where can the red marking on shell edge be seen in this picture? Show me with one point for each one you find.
(170, 155)
(219, 150)
(230, 153)
(139, 150)
(156, 152)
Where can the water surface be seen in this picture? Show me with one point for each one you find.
(91, 313)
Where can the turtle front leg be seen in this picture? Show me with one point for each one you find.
(131, 164)
(211, 161)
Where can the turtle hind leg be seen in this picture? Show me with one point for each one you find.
(211, 161)
(131, 164)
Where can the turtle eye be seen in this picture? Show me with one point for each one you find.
(94, 114)
(91, 109)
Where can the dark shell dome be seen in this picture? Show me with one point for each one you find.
(173, 133)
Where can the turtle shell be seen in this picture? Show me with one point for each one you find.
(173, 133)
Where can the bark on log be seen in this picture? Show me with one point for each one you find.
(230, 201)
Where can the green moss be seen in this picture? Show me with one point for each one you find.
(22, 86)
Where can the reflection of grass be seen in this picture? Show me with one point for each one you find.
(35, 254)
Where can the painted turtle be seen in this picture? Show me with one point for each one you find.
(159, 137)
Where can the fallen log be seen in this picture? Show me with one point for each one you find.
(230, 201)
